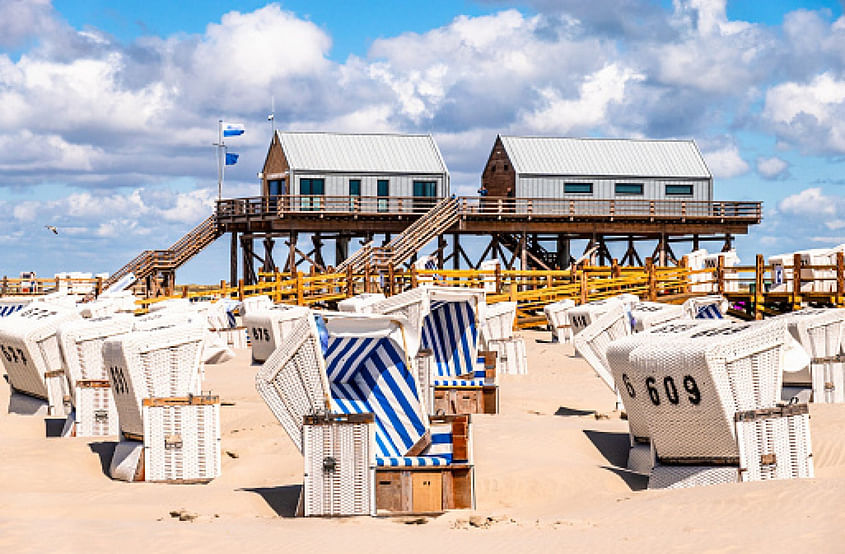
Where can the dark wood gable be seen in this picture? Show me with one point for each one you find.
(499, 174)
(275, 165)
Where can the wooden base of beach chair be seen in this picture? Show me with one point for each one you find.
(466, 400)
(424, 490)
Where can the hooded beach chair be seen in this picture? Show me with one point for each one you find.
(345, 392)
(31, 355)
(10, 305)
(120, 302)
(557, 314)
(821, 333)
(497, 336)
(267, 328)
(711, 306)
(168, 432)
(581, 316)
(448, 321)
(81, 342)
(223, 323)
(360, 303)
(617, 356)
(711, 403)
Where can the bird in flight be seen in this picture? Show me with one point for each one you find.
(52, 228)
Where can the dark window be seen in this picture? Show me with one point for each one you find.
(678, 190)
(578, 188)
(424, 194)
(354, 187)
(308, 189)
(383, 190)
(276, 187)
(629, 188)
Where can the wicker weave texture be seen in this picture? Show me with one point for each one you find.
(293, 380)
(182, 443)
(498, 322)
(645, 315)
(775, 448)
(592, 341)
(511, 357)
(81, 343)
(155, 364)
(28, 345)
(95, 412)
(339, 469)
(424, 374)
(268, 328)
(821, 333)
(557, 314)
(680, 477)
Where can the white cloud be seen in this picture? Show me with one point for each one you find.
(726, 162)
(772, 168)
(810, 202)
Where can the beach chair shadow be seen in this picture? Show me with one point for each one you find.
(569, 412)
(635, 481)
(283, 500)
(614, 447)
(105, 450)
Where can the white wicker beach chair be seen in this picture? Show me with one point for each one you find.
(360, 303)
(156, 381)
(711, 261)
(593, 340)
(319, 381)
(499, 319)
(122, 302)
(256, 303)
(11, 304)
(448, 320)
(645, 315)
(712, 403)
(81, 342)
(821, 332)
(711, 306)
(557, 314)
(268, 328)
(31, 354)
(511, 356)
(581, 316)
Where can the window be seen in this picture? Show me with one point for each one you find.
(383, 190)
(629, 188)
(308, 189)
(578, 188)
(424, 194)
(678, 190)
(354, 187)
(276, 187)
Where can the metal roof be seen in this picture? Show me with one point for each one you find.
(605, 157)
(362, 153)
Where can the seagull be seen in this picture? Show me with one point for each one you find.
(52, 228)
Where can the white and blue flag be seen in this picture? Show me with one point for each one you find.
(231, 159)
(233, 129)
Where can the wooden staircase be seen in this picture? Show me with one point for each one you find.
(537, 257)
(407, 243)
(160, 265)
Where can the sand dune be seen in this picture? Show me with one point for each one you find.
(548, 477)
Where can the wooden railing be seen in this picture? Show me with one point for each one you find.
(473, 206)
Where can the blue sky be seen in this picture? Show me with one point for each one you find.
(108, 109)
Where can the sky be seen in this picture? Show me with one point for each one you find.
(108, 110)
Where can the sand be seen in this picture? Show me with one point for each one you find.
(548, 478)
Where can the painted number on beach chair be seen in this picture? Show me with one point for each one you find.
(670, 389)
(260, 334)
(13, 354)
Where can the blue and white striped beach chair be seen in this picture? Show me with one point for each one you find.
(336, 375)
(449, 321)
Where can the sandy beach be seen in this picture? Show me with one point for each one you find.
(548, 477)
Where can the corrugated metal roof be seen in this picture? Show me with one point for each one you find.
(365, 153)
(605, 157)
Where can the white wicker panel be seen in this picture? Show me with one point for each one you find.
(592, 341)
(81, 342)
(182, 442)
(155, 364)
(293, 380)
(821, 333)
(95, 412)
(268, 328)
(678, 477)
(692, 305)
(585, 314)
(776, 447)
(645, 315)
(361, 303)
(557, 314)
(424, 373)
(28, 345)
(511, 357)
(339, 469)
(498, 321)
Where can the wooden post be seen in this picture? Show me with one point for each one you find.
(98, 286)
(513, 291)
(615, 271)
(299, 291)
(720, 274)
(223, 289)
(184, 291)
(759, 270)
(241, 290)
(840, 278)
(686, 276)
(5, 286)
(390, 277)
(414, 278)
(366, 277)
(350, 283)
(58, 283)
(652, 279)
(584, 288)
(796, 282)
(498, 275)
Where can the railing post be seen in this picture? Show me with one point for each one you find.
(584, 286)
(498, 277)
(390, 277)
(720, 275)
(300, 296)
(5, 286)
(514, 288)
(98, 287)
(796, 282)
(241, 290)
(184, 291)
(652, 279)
(759, 269)
(350, 283)
(414, 277)
(58, 283)
(223, 289)
(686, 274)
(367, 277)
(840, 278)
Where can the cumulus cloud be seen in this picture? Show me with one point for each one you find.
(726, 162)
(811, 202)
(773, 168)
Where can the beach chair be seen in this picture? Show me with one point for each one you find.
(557, 314)
(346, 394)
(711, 403)
(169, 432)
(617, 356)
(30, 353)
(268, 328)
(711, 306)
(11, 304)
(360, 303)
(730, 259)
(256, 304)
(122, 302)
(821, 333)
(81, 342)
(448, 320)
(497, 336)
(581, 316)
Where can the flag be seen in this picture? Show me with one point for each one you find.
(231, 159)
(233, 129)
